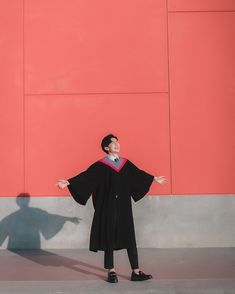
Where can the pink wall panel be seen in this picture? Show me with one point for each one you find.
(85, 46)
(63, 135)
(202, 5)
(11, 102)
(50, 132)
(202, 79)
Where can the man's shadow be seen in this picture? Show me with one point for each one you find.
(23, 228)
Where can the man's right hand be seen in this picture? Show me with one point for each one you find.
(62, 184)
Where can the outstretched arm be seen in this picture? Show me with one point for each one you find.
(62, 184)
(160, 180)
(82, 185)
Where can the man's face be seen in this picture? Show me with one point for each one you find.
(114, 146)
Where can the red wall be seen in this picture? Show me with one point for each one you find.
(159, 74)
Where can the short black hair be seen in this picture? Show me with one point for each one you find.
(106, 141)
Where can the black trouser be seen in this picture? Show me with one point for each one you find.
(132, 255)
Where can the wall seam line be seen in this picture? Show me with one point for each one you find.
(199, 11)
(98, 93)
(169, 96)
(23, 86)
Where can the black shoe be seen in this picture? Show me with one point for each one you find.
(140, 277)
(112, 277)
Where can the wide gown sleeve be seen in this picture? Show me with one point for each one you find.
(82, 185)
(140, 182)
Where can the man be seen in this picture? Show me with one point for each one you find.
(112, 181)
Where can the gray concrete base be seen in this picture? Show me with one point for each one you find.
(95, 287)
(175, 271)
(189, 221)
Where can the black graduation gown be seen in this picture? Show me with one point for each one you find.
(111, 189)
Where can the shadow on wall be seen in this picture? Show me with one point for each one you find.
(23, 227)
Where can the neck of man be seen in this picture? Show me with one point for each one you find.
(115, 154)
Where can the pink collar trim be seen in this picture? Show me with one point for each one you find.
(114, 167)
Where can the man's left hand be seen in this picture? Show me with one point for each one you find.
(160, 180)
